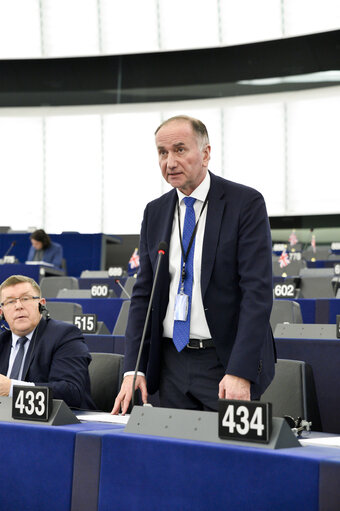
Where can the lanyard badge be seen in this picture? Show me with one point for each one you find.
(182, 299)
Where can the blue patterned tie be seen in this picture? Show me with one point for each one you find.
(181, 333)
(18, 359)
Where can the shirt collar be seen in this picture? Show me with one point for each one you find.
(200, 192)
(15, 338)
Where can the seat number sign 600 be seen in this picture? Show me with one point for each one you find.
(249, 421)
(31, 403)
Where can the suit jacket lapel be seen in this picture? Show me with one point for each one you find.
(32, 349)
(166, 221)
(5, 350)
(216, 206)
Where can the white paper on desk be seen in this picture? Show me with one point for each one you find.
(328, 441)
(42, 263)
(104, 417)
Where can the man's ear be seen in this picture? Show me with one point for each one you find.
(206, 155)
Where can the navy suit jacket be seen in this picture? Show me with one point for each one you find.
(53, 254)
(236, 284)
(58, 358)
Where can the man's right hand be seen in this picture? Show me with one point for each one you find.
(125, 394)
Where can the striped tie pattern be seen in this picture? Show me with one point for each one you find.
(181, 332)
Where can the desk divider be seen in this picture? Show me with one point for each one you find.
(200, 426)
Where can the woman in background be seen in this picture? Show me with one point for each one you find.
(43, 249)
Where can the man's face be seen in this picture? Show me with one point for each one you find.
(23, 317)
(183, 163)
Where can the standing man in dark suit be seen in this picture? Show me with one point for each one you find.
(228, 350)
(38, 351)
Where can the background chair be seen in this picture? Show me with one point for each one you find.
(64, 311)
(285, 311)
(51, 285)
(106, 373)
(292, 392)
(317, 283)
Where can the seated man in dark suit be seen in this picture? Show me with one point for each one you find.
(43, 249)
(39, 351)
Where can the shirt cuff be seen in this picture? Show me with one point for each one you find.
(131, 373)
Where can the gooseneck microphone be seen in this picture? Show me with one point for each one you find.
(10, 248)
(117, 281)
(162, 248)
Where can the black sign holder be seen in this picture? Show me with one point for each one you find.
(60, 415)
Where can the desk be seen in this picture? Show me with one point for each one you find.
(34, 271)
(81, 251)
(42, 470)
(153, 473)
(86, 283)
(37, 466)
(107, 309)
(324, 358)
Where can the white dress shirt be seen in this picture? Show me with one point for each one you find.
(198, 325)
(14, 350)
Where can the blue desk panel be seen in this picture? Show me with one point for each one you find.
(107, 309)
(323, 263)
(105, 343)
(319, 310)
(37, 466)
(324, 358)
(144, 472)
(29, 270)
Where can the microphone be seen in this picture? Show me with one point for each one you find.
(117, 281)
(10, 248)
(162, 248)
(3, 326)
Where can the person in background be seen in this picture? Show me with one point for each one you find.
(43, 249)
(37, 350)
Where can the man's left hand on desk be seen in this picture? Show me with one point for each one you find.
(233, 387)
(5, 385)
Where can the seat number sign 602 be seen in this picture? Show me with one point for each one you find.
(248, 421)
(286, 290)
(31, 403)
